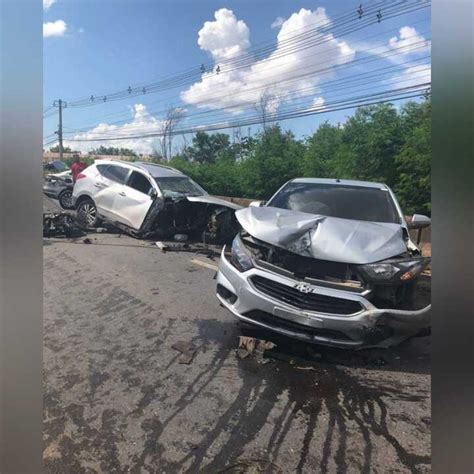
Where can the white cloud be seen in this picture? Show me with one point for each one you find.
(411, 76)
(48, 3)
(55, 28)
(225, 37)
(319, 102)
(266, 75)
(277, 22)
(142, 122)
(408, 36)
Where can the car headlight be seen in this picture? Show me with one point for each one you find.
(239, 257)
(393, 270)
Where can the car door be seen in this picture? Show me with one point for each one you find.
(134, 200)
(107, 184)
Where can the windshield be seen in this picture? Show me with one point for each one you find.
(336, 200)
(177, 186)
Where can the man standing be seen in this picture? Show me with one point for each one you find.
(77, 166)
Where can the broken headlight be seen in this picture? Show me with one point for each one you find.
(239, 257)
(394, 270)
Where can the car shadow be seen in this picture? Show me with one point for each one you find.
(317, 388)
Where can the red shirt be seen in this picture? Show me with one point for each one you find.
(76, 168)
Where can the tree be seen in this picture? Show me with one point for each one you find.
(275, 159)
(264, 106)
(322, 150)
(370, 141)
(55, 149)
(378, 143)
(413, 162)
(115, 151)
(208, 148)
(174, 115)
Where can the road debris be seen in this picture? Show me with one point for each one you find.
(173, 247)
(252, 346)
(187, 357)
(183, 346)
(161, 246)
(204, 264)
(242, 353)
(59, 223)
(187, 349)
(87, 241)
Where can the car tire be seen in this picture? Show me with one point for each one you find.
(65, 199)
(87, 213)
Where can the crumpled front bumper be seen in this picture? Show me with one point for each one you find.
(370, 326)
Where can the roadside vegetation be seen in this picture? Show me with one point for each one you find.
(378, 143)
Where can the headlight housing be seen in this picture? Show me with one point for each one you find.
(240, 257)
(394, 270)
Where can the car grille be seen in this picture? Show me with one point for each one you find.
(306, 301)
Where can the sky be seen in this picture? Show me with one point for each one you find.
(263, 48)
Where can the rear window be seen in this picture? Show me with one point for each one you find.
(335, 200)
(139, 182)
(114, 173)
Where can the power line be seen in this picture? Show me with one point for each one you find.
(298, 94)
(369, 99)
(356, 62)
(215, 97)
(247, 54)
(179, 81)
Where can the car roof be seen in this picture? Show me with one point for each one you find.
(153, 169)
(341, 182)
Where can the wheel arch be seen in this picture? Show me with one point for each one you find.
(82, 198)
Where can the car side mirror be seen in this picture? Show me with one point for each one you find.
(257, 203)
(419, 221)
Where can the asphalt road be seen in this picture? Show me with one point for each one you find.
(116, 399)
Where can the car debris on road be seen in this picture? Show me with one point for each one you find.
(252, 346)
(187, 349)
(59, 223)
(329, 262)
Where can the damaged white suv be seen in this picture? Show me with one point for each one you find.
(330, 262)
(146, 199)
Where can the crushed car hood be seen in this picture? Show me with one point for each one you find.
(213, 200)
(322, 237)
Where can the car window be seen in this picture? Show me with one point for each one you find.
(348, 202)
(102, 169)
(114, 173)
(176, 186)
(139, 182)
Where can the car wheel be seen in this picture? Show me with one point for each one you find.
(65, 199)
(87, 213)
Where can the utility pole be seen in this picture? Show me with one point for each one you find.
(60, 104)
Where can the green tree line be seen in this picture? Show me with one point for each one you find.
(378, 143)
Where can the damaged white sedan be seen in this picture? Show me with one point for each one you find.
(329, 262)
(149, 200)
